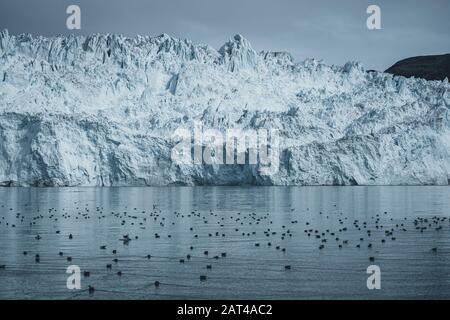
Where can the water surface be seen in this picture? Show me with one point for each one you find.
(251, 225)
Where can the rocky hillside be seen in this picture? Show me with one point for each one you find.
(426, 67)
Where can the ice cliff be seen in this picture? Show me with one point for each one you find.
(100, 110)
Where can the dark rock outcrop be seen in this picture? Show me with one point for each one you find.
(435, 67)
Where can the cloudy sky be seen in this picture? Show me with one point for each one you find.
(332, 30)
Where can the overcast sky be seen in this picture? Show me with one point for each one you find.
(332, 30)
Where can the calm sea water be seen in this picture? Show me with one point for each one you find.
(262, 230)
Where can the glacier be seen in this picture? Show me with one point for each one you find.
(100, 110)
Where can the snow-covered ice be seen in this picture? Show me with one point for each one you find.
(101, 110)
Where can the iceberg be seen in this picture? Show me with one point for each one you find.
(101, 110)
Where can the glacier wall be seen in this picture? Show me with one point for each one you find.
(100, 111)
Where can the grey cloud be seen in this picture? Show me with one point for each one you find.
(334, 31)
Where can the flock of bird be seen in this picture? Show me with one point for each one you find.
(257, 229)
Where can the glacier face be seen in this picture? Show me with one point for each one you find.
(101, 110)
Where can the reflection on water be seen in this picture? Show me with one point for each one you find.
(261, 231)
